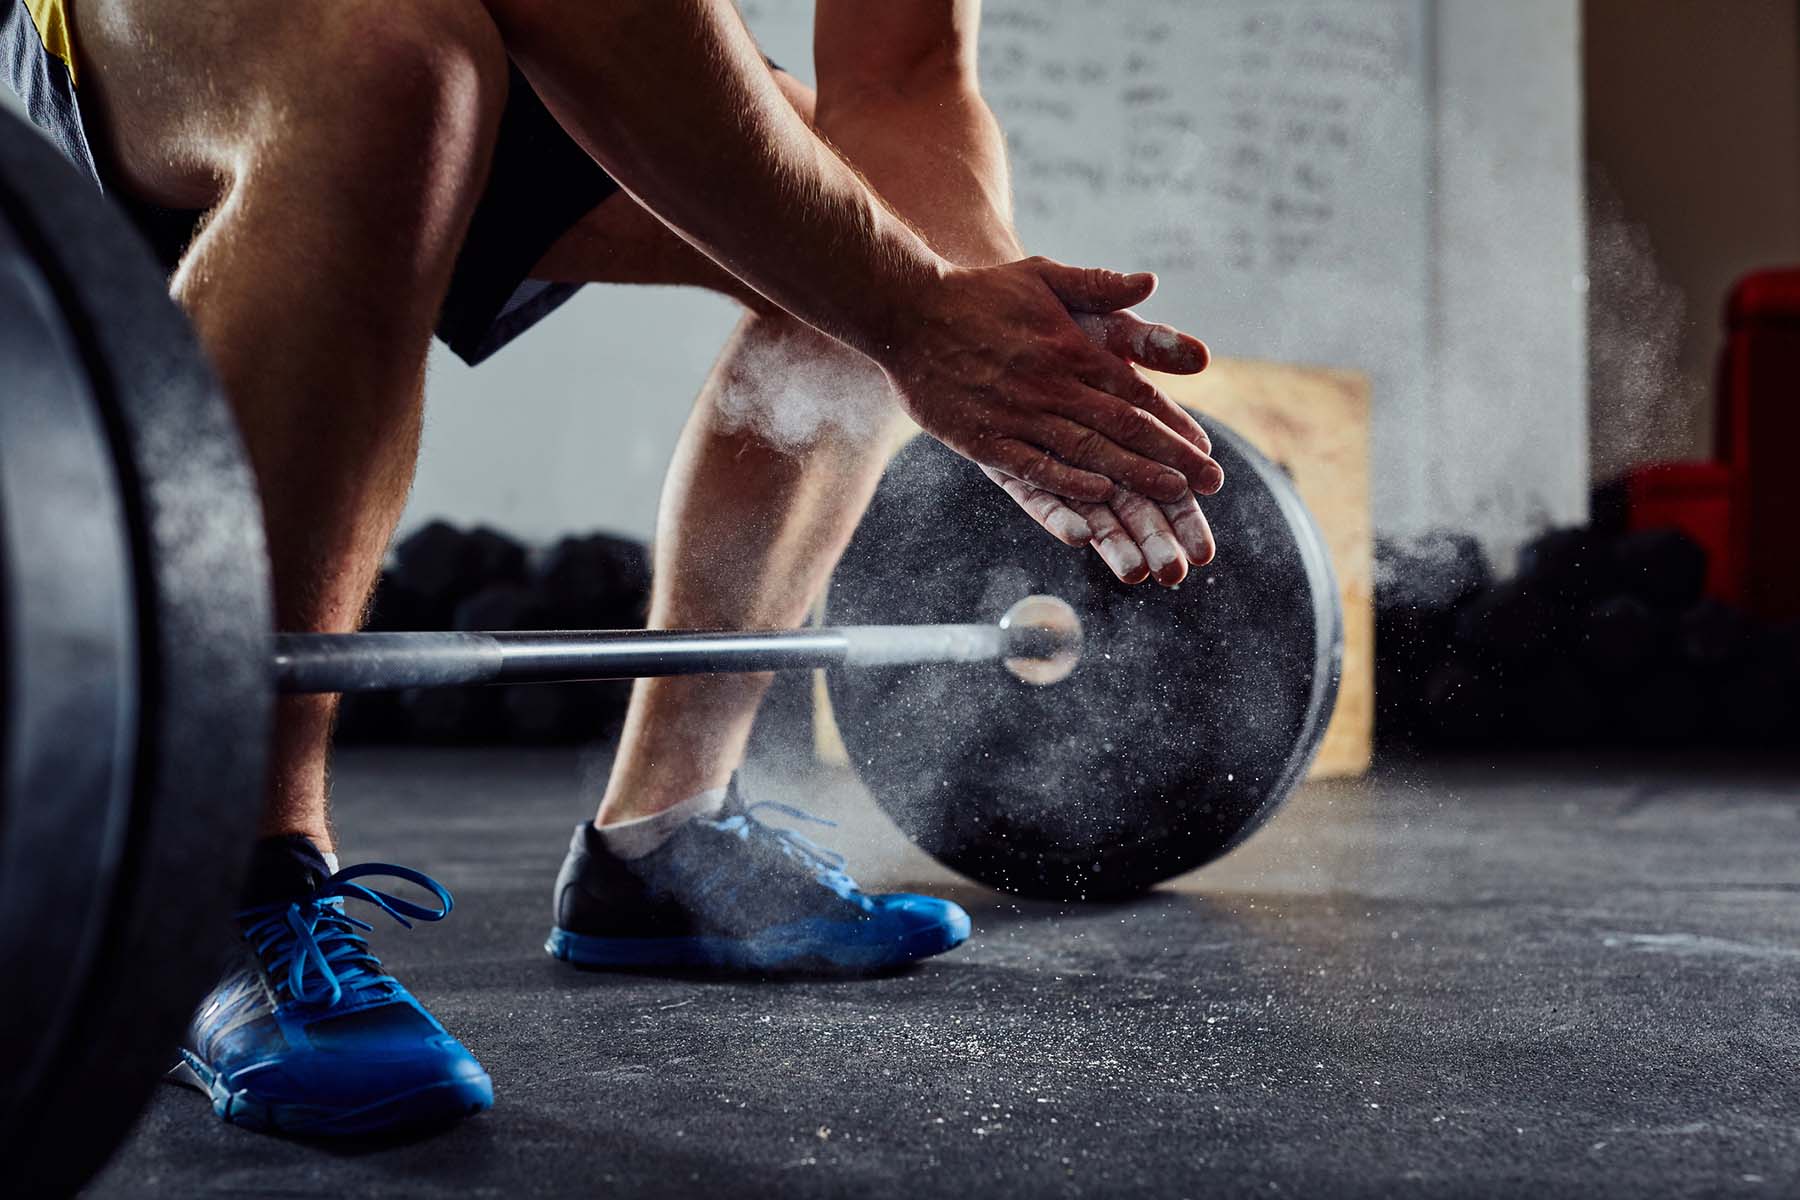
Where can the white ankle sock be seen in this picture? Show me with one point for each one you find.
(331, 862)
(634, 839)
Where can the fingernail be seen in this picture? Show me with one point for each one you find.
(1069, 527)
(1122, 557)
(1168, 347)
(1212, 480)
(1162, 552)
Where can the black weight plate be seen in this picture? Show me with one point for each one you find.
(1191, 716)
(68, 733)
(204, 699)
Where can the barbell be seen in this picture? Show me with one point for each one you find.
(1038, 640)
(138, 673)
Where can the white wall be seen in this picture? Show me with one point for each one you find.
(571, 426)
(1693, 128)
(1508, 298)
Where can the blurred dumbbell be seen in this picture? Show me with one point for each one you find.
(496, 557)
(434, 563)
(1714, 636)
(453, 716)
(1755, 704)
(1434, 573)
(396, 607)
(1569, 567)
(504, 606)
(562, 713)
(1419, 583)
(1620, 635)
(371, 719)
(1560, 707)
(443, 565)
(1463, 706)
(1508, 625)
(1662, 567)
(599, 581)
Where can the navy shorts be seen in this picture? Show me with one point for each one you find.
(540, 185)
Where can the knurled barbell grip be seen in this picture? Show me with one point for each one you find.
(369, 662)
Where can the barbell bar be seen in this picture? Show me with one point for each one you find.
(1038, 640)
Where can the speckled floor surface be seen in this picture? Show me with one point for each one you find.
(1555, 977)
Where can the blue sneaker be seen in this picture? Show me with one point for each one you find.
(733, 893)
(308, 1036)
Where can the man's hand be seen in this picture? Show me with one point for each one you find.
(998, 370)
(1137, 539)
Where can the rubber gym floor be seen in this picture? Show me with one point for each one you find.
(1524, 977)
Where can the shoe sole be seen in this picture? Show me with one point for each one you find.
(430, 1104)
(813, 945)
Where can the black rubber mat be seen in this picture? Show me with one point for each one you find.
(1465, 981)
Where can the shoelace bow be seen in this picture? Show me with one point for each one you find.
(826, 865)
(316, 934)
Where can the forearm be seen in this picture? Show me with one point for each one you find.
(933, 150)
(673, 98)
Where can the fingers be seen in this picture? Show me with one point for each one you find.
(1183, 422)
(1058, 519)
(1151, 400)
(1094, 289)
(1114, 544)
(1123, 334)
(1192, 531)
(1079, 444)
(1149, 526)
(1142, 432)
(1031, 464)
(1157, 347)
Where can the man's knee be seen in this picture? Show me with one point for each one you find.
(192, 97)
(789, 386)
(416, 83)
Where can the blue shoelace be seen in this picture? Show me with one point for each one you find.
(315, 935)
(827, 866)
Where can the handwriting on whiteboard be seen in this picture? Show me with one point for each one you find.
(1224, 135)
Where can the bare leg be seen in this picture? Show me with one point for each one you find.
(748, 533)
(756, 509)
(337, 212)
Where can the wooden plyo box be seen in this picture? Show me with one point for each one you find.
(1315, 423)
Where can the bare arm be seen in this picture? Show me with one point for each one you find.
(899, 95)
(672, 97)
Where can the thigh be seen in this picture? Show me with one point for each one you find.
(167, 87)
(179, 95)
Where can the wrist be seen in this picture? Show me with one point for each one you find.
(902, 306)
